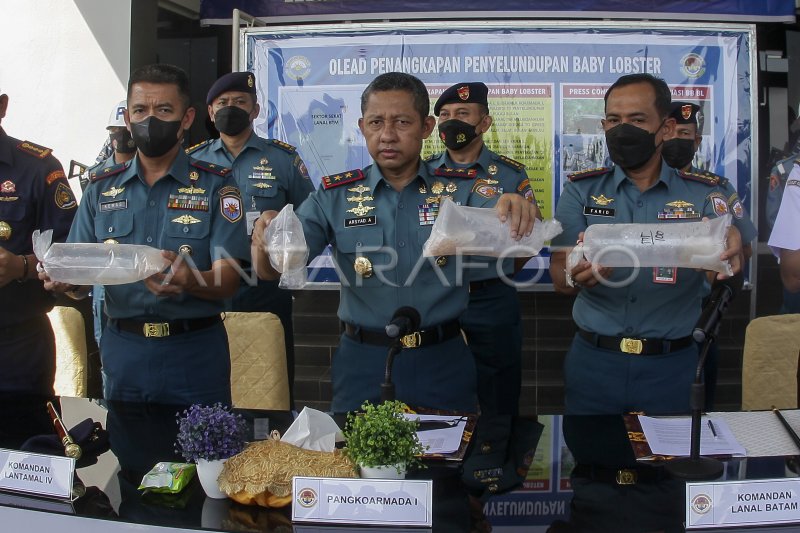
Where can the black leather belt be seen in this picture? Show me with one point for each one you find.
(425, 337)
(635, 346)
(621, 476)
(482, 284)
(24, 328)
(165, 329)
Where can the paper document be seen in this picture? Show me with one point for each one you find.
(442, 439)
(672, 436)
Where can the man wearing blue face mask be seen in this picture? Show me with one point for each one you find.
(270, 174)
(634, 350)
(164, 341)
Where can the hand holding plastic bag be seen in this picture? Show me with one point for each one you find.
(687, 245)
(478, 231)
(96, 263)
(288, 251)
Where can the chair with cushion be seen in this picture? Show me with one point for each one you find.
(770, 363)
(259, 379)
(71, 356)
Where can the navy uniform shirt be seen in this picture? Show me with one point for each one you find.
(269, 173)
(740, 216)
(194, 205)
(34, 194)
(501, 172)
(777, 183)
(784, 234)
(362, 216)
(660, 303)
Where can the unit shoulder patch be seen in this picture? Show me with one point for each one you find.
(456, 172)
(590, 173)
(708, 178)
(334, 180)
(197, 146)
(35, 150)
(219, 170)
(510, 162)
(109, 171)
(283, 146)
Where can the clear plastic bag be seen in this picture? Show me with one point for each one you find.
(288, 251)
(477, 231)
(667, 244)
(96, 263)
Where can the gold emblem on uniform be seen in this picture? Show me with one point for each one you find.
(451, 187)
(492, 170)
(250, 80)
(490, 181)
(437, 188)
(191, 190)
(360, 198)
(5, 231)
(185, 249)
(602, 200)
(262, 185)
(423, 189)
(361, 210)
(263, 161)
(361, 189)
(193, 175)
(433, 199)
(186, 219)
(441, 260)
(363, 267)
(110, 241)
(113, 192)
(680, 203)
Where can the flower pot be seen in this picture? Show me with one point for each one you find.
(382, 472)
(208, 472)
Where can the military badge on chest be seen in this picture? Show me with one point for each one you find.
(600, 207)
(678, 209)
(7, 190)
(230, 203)
(362, 210)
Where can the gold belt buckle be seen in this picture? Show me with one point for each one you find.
(156, 329)
(627, 477)
(633, 346)
(412, 340)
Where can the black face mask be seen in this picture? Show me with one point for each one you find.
(456, 134)
(678, 153)
(155, 137)
(231, 120)
(630, 147)
(122, 142)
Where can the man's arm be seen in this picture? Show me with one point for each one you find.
(258, 248)
(790, 270)
(221, 282)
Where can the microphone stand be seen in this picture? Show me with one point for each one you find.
(387, 387)
(695, 467)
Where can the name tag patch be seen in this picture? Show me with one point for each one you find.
(360, 221)
(115, 205)
(598, 211)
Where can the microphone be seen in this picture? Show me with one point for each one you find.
(722, 293)
(404, 321)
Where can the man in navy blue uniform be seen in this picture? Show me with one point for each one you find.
(34, 194)
(268, 172)
(492, 319)
(377, 220)
(164, 341)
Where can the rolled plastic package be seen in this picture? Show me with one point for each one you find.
(477, 231)
(667, 244)
(96, 263)
(288, 251)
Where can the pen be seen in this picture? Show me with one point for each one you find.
(70, 448)
(712, 428)
(786, 425)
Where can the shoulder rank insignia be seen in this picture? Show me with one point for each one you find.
(284, 146)
(707, 178)
(197, 146)
(510, 162)
(433, 156)
(34, 149)
(109, 171)
(334, 180)
(456, 172)
(577, 176)
(219, 170)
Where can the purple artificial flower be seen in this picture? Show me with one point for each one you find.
(210, 433)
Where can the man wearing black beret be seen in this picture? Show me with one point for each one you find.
(270, 174)
(492, 319)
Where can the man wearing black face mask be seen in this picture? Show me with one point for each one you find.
(492, 319)
(270, 174)
(164, 341)
(634, 350)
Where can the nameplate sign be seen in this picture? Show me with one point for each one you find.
(39, 474)
(743, 503)
(362, 501)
